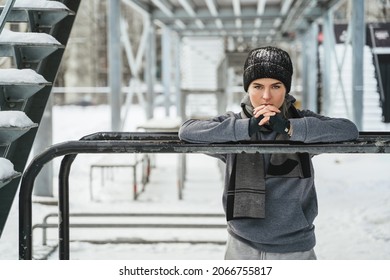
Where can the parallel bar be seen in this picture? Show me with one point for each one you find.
(123, 146)
(123, 225)
(136, 215)
(167, 143)
(45, 224)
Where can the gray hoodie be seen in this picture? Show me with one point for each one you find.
(290, 201)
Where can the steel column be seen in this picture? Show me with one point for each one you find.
(358, 42)
(115, 62)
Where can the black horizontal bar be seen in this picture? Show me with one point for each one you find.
(123, 225)
(118, 142)
(143, 215)
(126, 146)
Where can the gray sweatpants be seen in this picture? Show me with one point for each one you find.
(238, 250)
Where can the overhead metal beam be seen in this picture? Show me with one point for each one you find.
(212, 28)
(226, 16)
(237, 12)
(213, 11)
(187, 7)
(138, 6)
(167, 9)
(259, 12)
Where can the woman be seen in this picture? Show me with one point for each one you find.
(269, 199)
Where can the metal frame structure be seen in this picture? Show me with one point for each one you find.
(247, 23)
(154, 143)
(267, 20)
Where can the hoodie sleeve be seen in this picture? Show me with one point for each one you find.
(224, 128)
(313, 127)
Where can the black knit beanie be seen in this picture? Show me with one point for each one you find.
(268, 62)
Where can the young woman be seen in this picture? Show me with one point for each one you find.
(269, 199)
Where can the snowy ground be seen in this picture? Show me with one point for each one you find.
(353, 193)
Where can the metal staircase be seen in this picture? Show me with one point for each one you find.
(341, 84)
(25, 88)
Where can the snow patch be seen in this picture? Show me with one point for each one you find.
(14, 119)
(8, 36)
(6, 169)
(39, 4)
(21, 76)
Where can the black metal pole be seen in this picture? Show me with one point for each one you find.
(63, 206)
(25, 203)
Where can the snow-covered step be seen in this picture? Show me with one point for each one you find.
(27, 47)
(7, 172)
(19, 84)
(13, 124)
(39, 13)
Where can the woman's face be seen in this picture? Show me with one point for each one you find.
(267, 91)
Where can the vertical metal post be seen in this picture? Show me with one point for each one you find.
(114, 61)
(166, 66)
(312, 70)
(305, 92)
(327, 58)
(150, 71)
(44, 181)
(358, 42)
(178, 76)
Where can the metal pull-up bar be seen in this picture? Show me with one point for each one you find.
(161, 142)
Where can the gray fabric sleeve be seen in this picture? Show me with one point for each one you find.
(225, 128)
(317, 128)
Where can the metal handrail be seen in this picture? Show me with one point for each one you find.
(378, 70)
(143, 142)
(4, 14)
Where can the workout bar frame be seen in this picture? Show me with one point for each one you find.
(159, 142)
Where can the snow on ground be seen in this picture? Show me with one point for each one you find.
(353, 194)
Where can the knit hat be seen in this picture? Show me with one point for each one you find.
(268, 62)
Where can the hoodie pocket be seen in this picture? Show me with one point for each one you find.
(284, 223)
(284, 217)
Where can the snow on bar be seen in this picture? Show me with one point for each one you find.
(21, 76)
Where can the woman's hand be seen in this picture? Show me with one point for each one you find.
(266, 111)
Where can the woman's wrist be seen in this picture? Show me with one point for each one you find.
(290, 131)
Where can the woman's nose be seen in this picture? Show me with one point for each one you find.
(266, 94)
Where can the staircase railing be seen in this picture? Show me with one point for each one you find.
(377, 68)
(52, 26)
